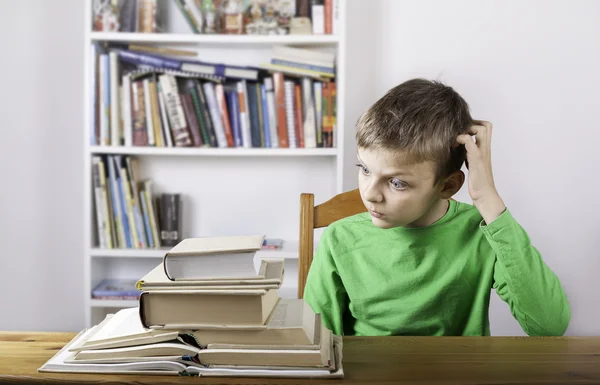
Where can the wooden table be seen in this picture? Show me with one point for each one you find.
(367, 360)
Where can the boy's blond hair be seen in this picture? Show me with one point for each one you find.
(421, 119)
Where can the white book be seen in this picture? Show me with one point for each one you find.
(101, 220)
(308, 120)
(290, 113)
(115, 117)
(104, 103)
(215, 116)
(244, 114)
(148, 109)
(270, 94)
(62, 362)
(126, 104)
(163, 115)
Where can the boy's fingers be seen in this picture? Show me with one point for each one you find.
(484, 123)
(467, 140)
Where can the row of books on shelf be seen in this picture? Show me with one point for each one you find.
(198, 316)
(141, 99)
(253, 17)
(127, 214)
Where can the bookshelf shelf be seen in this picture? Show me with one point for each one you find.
(119, 303)
(128, 253)
(190, 151)
(213, 39)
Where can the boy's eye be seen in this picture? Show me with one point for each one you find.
(398, 184)
(363, 169)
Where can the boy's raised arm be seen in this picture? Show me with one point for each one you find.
(324, 291)
(522, 279)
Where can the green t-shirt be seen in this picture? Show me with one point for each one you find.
(434, 280)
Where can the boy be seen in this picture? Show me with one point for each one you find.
(418, 262)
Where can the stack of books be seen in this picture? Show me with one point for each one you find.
(205, 311)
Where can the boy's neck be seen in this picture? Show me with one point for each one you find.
(437, 211)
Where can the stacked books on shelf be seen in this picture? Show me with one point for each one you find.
(205, 311)
(148, 99)
(253, 17)
(127, 214)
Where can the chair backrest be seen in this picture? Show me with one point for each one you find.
(313, 217)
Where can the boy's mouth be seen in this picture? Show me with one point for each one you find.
(375, 214)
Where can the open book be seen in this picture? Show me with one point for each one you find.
(291, 323)
(179, 357)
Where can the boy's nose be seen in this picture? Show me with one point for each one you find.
(372, 193)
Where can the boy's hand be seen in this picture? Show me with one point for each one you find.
(481, 181)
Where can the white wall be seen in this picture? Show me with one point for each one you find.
(531, 68)
(40, 165)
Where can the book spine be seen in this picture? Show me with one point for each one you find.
(192, 89)
(163, 115)
(212, 138)
(144, 59)
(104, 104)
(253, 112)
(190, 114)
(120, 224)
(268, 82)
(290, 113)
(327, 116)
(148, 113)
(94, 97)
(101, 220)
(265, 116)
(220, 92)
(215, 116)
(128, 203)
(106, 206)
(156, 122)
(234, 114)
(304, 66)
(309, 129)
(115, 119)
(127, 122)
(140, 135)
(170, 218)
(259, 113)
(149, 197)
(318, 89)
(244, 116)
(179, 129)
(146, 216)
(298, 115)
(328, 16)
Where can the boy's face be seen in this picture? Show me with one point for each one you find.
(398, 193)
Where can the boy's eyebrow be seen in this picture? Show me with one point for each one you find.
(395, 173)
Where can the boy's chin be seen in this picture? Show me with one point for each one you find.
(383, 224)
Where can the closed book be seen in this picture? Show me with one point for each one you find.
(192, 309)
(213, 258)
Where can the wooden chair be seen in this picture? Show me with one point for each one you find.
(313, 217)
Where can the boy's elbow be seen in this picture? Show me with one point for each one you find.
(555, 324)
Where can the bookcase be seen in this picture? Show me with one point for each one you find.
(225, 191)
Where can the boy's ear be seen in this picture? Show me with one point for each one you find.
(452, 184)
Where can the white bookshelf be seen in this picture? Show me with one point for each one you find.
(225, 191)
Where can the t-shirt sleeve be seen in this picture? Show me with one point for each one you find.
(522, 279)
(324, 291)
